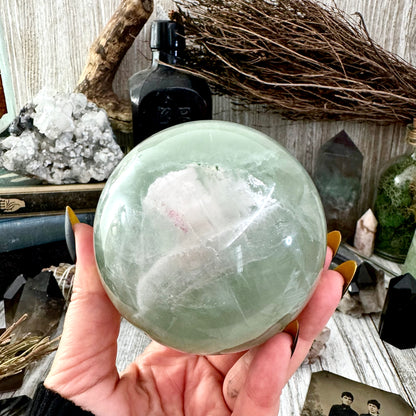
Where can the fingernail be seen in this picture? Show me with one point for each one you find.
(293, 330)
(333, 240)
(70, 220)
(347, 270)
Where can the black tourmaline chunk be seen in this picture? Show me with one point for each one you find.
(398, 319)
(366, 276)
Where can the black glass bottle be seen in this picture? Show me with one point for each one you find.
(162, 96)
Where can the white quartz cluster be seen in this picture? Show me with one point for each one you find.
(61, 138)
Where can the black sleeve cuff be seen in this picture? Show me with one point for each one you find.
(47, 403)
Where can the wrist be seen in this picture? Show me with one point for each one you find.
(47, 402)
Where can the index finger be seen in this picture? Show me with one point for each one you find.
(316, 314)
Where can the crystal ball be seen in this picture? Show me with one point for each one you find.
(210, 237)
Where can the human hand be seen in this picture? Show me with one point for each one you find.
(162, 381)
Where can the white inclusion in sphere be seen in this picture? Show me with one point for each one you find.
(210, 237)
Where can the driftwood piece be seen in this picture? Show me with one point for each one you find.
(105, 56)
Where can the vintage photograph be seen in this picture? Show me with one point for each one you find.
(332, 395)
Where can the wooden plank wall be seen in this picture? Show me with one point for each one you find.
(48, 42)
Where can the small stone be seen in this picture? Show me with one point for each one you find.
(365, 233)
(366, 276)
(398, 319)
(366, 293)
(318, 346)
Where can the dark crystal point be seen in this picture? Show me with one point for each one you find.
(398, 319)
(15, 287)
(338, 179)
(43, 301)
(11, 298)
(365, 276)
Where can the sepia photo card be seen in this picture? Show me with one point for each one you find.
(333, 395)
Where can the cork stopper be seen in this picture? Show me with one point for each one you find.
(411, 133)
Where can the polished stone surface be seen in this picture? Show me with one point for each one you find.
(366, 276)
(210, 237)
(338, 179)
(397, 322)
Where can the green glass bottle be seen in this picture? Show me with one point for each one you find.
(395, 204)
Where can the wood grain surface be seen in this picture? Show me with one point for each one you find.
(48, 44)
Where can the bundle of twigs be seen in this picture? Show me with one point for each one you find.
(17, 354)
(297, 57)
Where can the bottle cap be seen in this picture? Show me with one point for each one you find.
(167, 36)
(411, 133)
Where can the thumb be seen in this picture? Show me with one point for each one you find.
(88, 347)
(89, 302)
(255, 383)
(87, 278)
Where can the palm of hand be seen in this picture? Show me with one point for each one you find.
(167, 382)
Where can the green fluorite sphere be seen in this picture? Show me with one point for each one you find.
(210, 237)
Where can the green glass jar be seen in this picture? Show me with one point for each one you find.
(395, 204)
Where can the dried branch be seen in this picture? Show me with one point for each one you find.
(105, 56)
(16, 355)
(296, 57)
